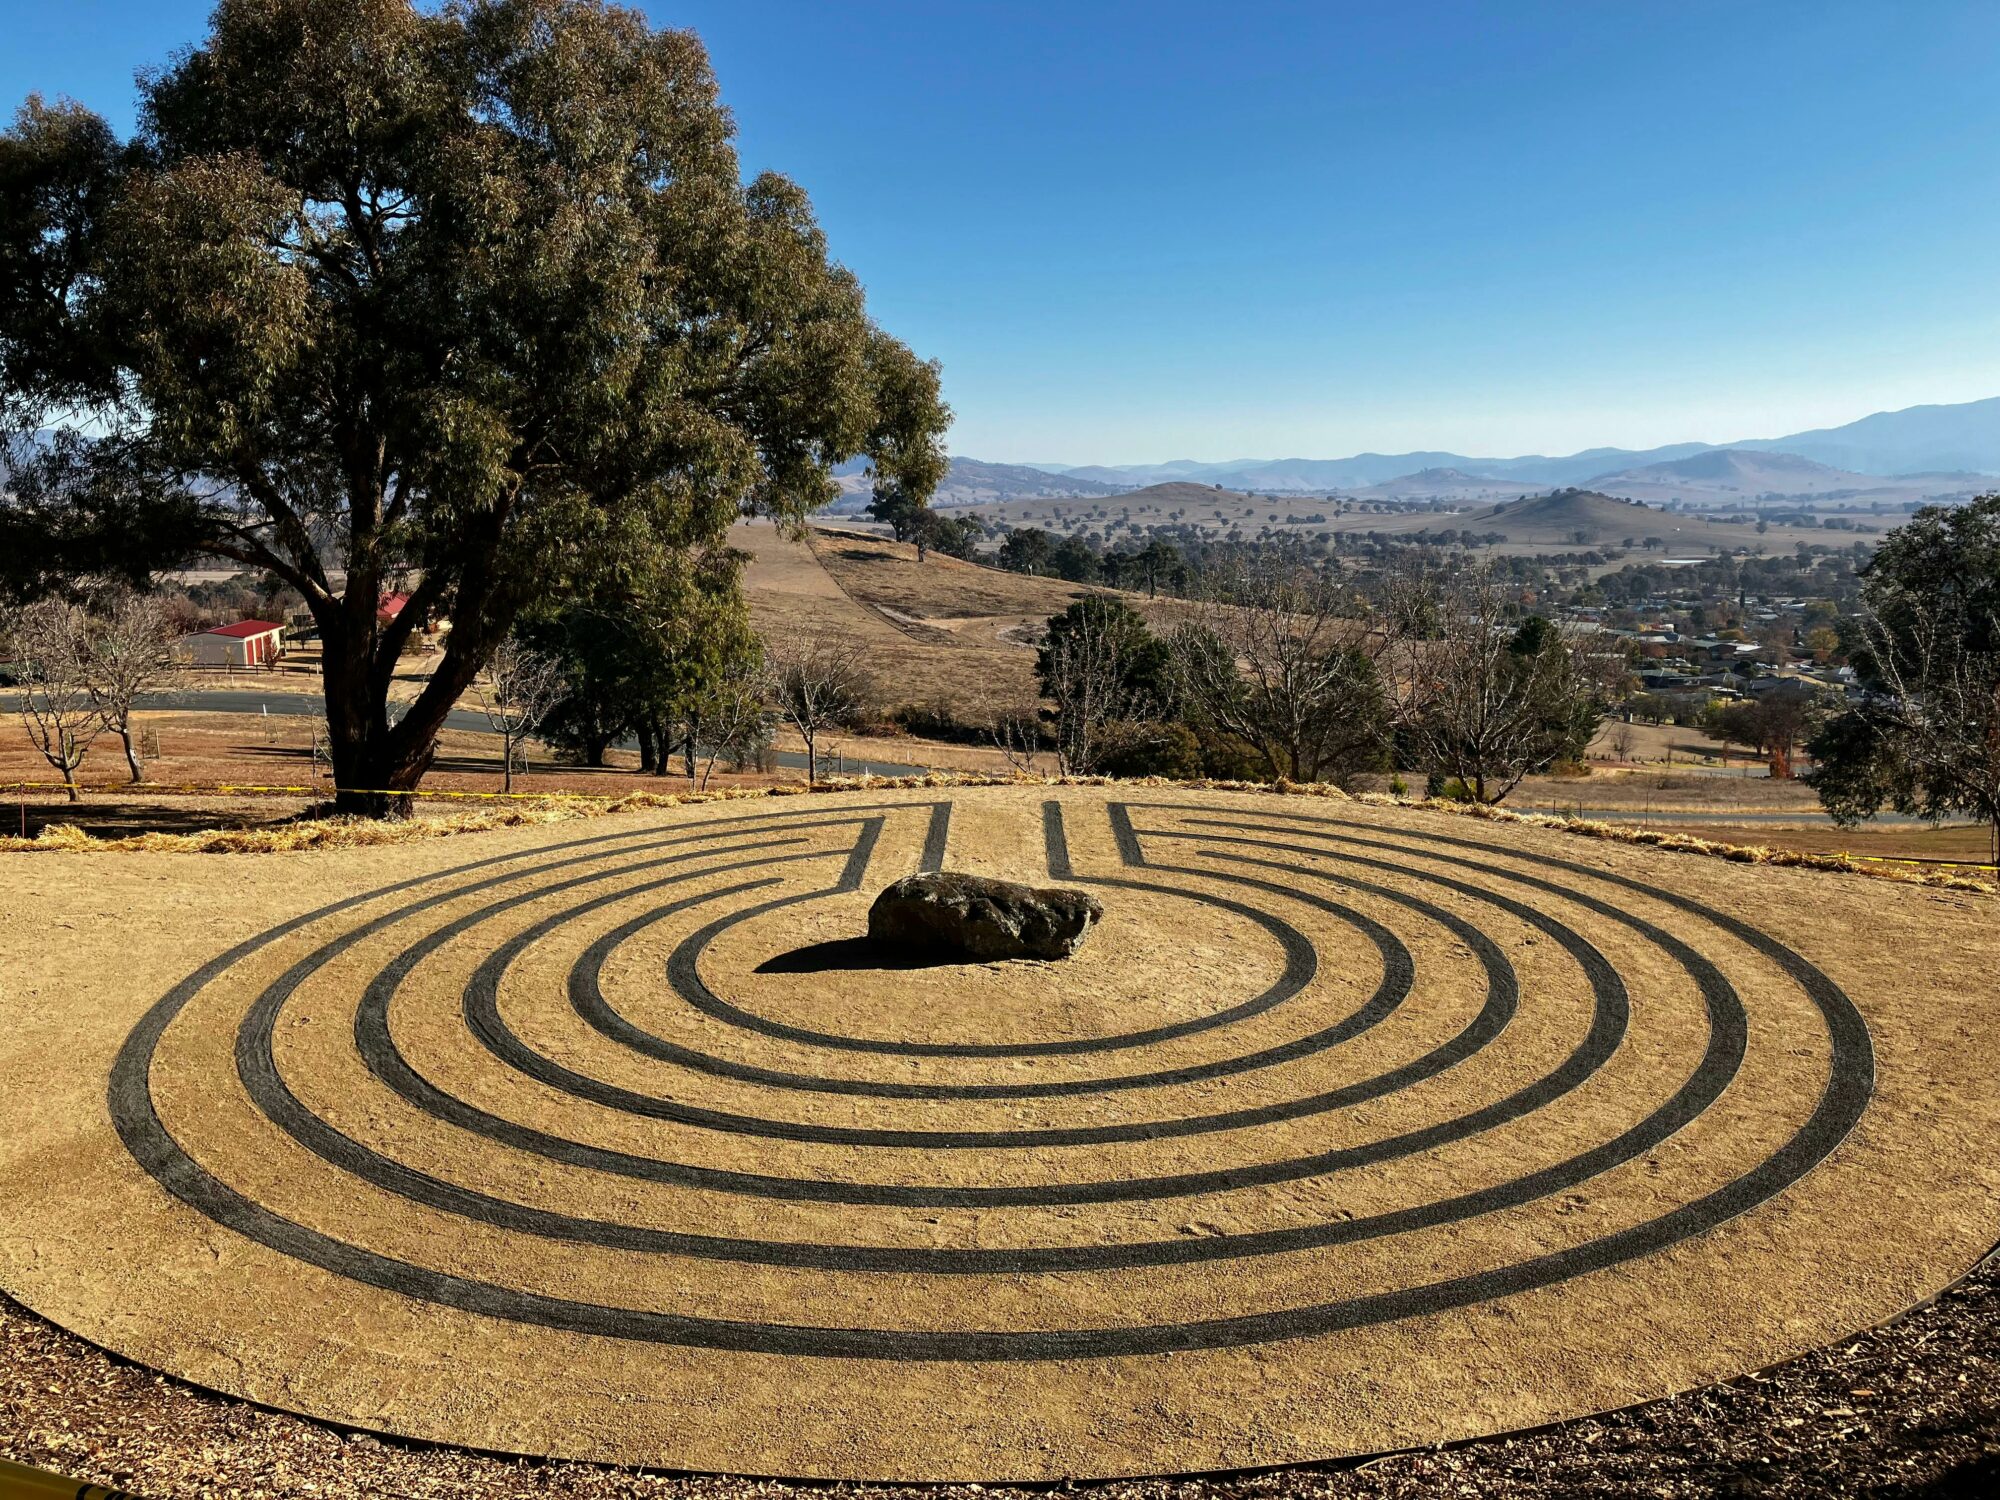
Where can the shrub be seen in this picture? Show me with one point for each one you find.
(1136, 748)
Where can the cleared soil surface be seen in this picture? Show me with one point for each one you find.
(1910, 1411)
(1353, 1129)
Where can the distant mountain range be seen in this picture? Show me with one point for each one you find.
(1946, 443)
(972, 482)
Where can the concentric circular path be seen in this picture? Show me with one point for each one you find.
(1349, 1129)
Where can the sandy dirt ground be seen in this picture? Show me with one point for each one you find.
(1352, 1129)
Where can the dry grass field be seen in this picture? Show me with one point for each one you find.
(942, 631)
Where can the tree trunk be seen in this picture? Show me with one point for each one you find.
(69, 783)
(690, 747)
(378, 766)
(506, 760)
(131, 754)
(649, 756)
(812, 759)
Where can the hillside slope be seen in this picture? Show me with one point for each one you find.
(940, 631)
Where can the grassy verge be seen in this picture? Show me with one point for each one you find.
(357, 833)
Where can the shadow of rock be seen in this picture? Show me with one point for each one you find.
(859, 954)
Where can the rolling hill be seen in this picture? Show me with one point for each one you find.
(1585, 518)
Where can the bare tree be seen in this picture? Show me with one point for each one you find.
(818, 685)
(1017, 734)
(1621, 739)
(1479, 699)
(52, 639)
(127, 644)
(733, 721)
(522, 685)
(1280, 657)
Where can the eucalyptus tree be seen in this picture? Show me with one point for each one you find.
(456, 301)
(1923, 734)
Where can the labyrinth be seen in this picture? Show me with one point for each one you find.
(1348, 1129)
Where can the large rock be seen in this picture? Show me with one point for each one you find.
(981, 918)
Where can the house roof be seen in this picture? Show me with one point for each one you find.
(243, 629)
(391, 606)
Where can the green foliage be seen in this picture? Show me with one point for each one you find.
(1230, 757)
(1144, 668)
(1027, 549)
(650, 658)
(1129, 747)
(1925, 739)
(1858, 768)
(1074, 562)
(473, 294)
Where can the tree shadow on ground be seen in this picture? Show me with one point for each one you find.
(117, 820)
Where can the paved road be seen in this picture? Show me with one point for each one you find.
(292, 704)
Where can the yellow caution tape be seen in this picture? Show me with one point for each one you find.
(1950, 864)
(19, 1482)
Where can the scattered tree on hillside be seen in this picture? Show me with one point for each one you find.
(696, 651)
(819, 685)
(129, 638)
(1155, 561)
(1027, 549)
(954, 536)
(915, 521)
(1277, 660)
(472, 294)
(52, 647)
(1074, 561)
(1924, 738)
(522, 685)
(645, 652)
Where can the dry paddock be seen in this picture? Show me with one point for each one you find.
(1354, 1129)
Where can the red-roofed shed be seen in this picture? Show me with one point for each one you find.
(247, 643)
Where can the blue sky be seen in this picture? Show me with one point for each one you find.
(1143, 231)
